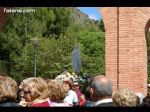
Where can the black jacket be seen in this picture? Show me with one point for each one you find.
(9, 104)
(109, 104)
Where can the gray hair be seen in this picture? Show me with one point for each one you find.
(102, 88)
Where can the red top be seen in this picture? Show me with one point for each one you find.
(79, 93)
(43, 104)
(81, 103)
(49, 103)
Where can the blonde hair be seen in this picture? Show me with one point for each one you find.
(57, 90)
(8, 89)
(125, 98)
(37, 86)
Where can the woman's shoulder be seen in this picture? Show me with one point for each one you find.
(72, 92)
(54, 104)
(42, 104)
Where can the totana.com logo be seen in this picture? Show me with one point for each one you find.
(11, 10)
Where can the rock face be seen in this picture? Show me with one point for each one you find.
(66, 76)
(82, 19)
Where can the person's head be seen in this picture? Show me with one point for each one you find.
(8, 89)
(100, 88)
(146, 101)
(69, 83)
(57, 90)
(137, 101)
(140, 96)
(75, 85)
(125, 98)
(34, 88)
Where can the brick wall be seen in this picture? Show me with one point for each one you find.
(110, 21)
(126, 48)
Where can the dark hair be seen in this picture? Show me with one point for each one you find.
(146, 101)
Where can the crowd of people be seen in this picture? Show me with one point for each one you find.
(39, 92)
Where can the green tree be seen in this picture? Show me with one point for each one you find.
(148, 55)
(93, 52)
(57, 33)
(21, 29)
(53, 55)
(101, 25)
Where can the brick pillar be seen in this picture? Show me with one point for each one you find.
(129, 55)
(110, 21)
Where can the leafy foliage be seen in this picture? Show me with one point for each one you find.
(57, 34)
(93, 52)
(101, 25)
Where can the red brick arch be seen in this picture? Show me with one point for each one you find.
(147, 27)
(126, 48)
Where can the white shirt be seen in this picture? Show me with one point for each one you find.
(54, 104)
(71, 97)
(103, 101)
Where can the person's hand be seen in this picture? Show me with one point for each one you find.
(82, 100)
(82, 97)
